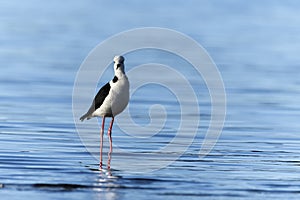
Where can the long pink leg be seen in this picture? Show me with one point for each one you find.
(109, 134)
(109, 160)
(110, 142)
(101, 141)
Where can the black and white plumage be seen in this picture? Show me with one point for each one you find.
(113, 97)
(110, 100)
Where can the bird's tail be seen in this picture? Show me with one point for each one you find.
(83, 117)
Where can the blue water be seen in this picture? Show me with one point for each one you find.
(255, 45)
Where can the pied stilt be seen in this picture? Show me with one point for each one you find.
(111, 100)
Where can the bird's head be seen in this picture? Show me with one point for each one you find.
(119, 64)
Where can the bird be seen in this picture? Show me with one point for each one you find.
(110, 101)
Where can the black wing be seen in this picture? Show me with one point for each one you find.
(101, 95)
(98, 100)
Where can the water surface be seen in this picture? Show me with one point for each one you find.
(255, 46)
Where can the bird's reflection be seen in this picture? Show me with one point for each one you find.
(106, 184)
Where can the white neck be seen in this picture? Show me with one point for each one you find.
(119, 73)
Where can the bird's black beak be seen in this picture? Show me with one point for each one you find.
(118, 65)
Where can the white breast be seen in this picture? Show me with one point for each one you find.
(119, 95)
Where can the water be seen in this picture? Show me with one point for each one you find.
(255, 46)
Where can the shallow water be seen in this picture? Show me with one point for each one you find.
(255, 46)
